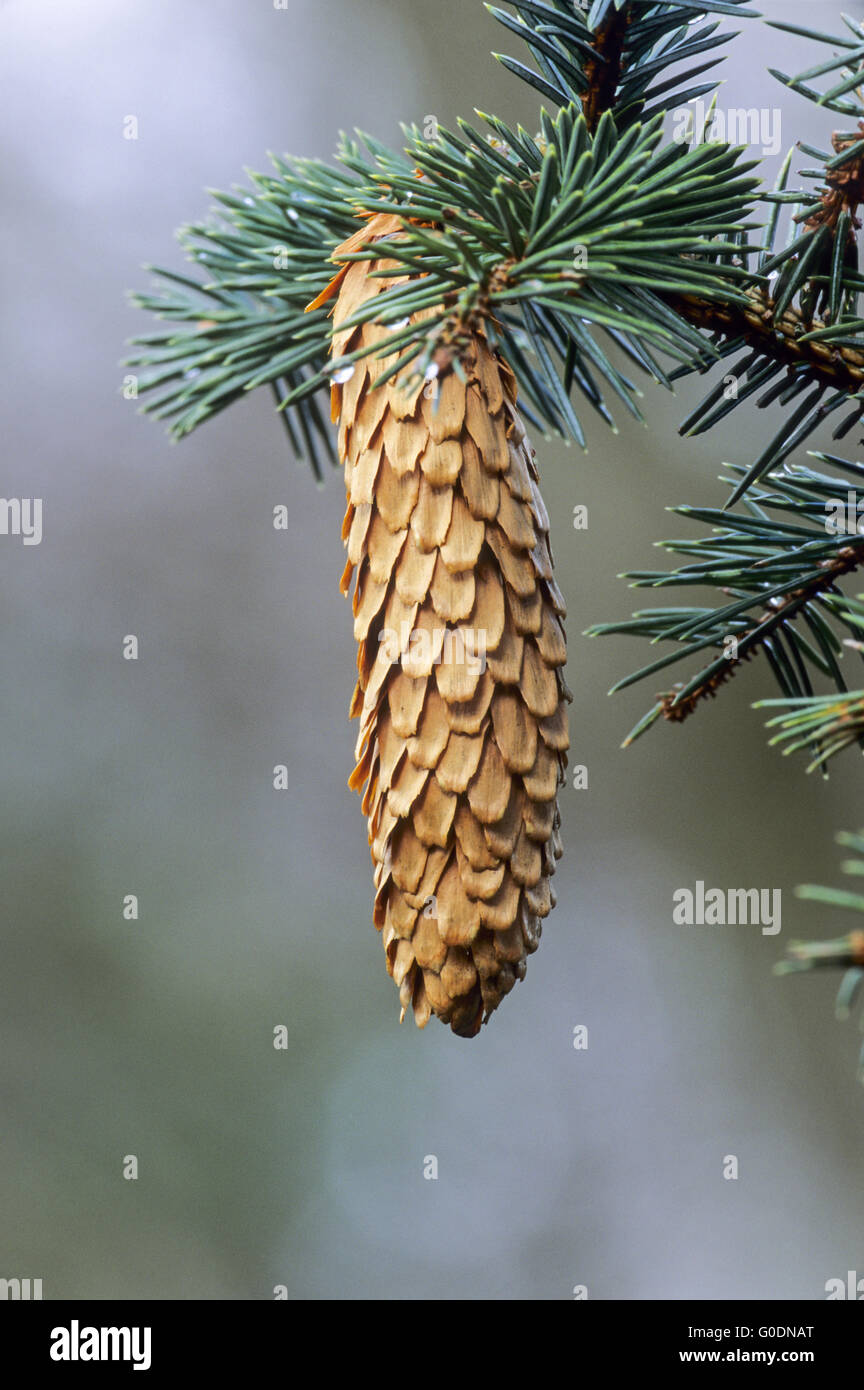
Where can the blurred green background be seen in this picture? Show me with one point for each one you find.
(304, 1167)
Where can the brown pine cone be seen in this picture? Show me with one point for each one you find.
(461, 696)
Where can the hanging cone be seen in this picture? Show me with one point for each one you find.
(463, 726)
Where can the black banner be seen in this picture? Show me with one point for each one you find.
(82, 1339)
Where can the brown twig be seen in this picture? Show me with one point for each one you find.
(843, 367)
(604, 71)
(844, 562)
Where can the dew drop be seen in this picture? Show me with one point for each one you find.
(343, 374)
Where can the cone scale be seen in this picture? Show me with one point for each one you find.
(460, 692)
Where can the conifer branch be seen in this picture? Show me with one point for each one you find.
(776, 564)
(818, 267)
(560, 243)
(796, 344)
(789, 342)
(827, 724)
(844, 953)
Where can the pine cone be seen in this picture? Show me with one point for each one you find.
(463, 726)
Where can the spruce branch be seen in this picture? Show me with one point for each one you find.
(495, 230)
(611, 56)
(819, 266)
(557, 244)
(787, 343)
(801, 310)
(827, 724)
(845, 953)
(776, 564)
(592, 237)
(796, 345)
(785, 340)
(244, 325)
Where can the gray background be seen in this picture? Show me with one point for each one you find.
(304, 1167)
